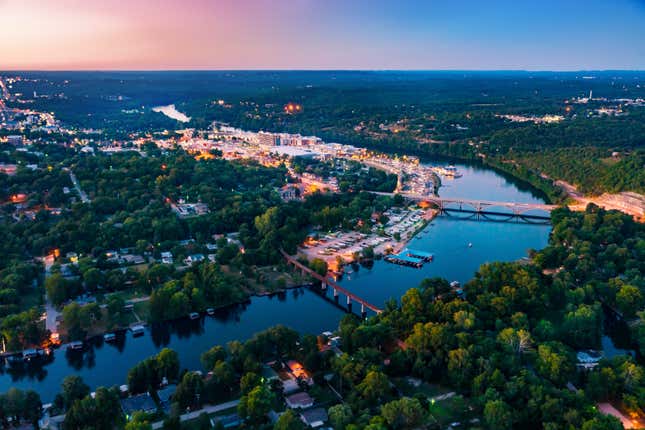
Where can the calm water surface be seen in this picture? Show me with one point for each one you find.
(448, 238)
(303, 310)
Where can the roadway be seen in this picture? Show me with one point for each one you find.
(476, 204)
(211, 409)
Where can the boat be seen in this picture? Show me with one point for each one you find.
(210, 311)
(470, 244)
(193, 315)
(452, 171)
(29, 354)
(75, 346)
(109, 337)
(137, 330)
(454, 284)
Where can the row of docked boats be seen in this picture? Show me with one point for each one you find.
(28, 355)
(196, 315)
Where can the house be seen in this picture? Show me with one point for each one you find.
(269, 374)
(300, 400)
(299, 372)
(314, 417)
(133, 259)
(588, 359)
(194, 259)
(290, 385)
(165, 396)
(166, 257)
(141, 403)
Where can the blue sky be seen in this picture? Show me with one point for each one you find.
(322, 34)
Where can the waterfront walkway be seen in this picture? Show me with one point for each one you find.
(211, 409)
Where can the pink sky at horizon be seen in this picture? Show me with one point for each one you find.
(142, 34)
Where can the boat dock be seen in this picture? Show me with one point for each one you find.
(422, 255)
(410, 258)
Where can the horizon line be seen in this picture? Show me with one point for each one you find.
(152, 70)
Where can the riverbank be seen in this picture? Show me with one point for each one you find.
(628, 202)
(340, 248)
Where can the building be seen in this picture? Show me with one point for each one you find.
(15, 140)
(268, 139)
(194, 259)
(227, 421)
(314, 417)
(8, 169)
(165, 396)
(166, 257)
(141, 403)
(300, 400)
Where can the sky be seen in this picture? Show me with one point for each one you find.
(322, 34)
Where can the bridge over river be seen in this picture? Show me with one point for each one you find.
(329, 283)
(483, 207)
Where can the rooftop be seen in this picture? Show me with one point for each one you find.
(142, 402)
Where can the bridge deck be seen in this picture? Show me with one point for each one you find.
(475, 203)
(331, 283)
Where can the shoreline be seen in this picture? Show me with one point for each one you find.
(52, 347)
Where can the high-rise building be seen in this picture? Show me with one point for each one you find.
(268, 139)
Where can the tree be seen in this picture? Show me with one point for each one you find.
(374, 387)
(403, 413)
(74, 320)
(340, 416)
(172, 423)
(168, 364)
(497, 415)
(189, 390)
(554, 362)
(73, 388)
(289, 421)
(515, 341)
(101, 412)
(33, 408)
(92, 278)
(139, 422)
(249, 381)
(319, 266)
(255, 405)
(629, 300)
(57, 288)
(212, 356)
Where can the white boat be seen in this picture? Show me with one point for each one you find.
(109, 337)
(137, 330)
(193, 315)
(210, 311)
(75, 346)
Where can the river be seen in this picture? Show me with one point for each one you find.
(460, 243)
(303, 310)
(172, 112)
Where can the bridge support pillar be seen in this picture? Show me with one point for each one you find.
(323, 285)
(363, 312)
